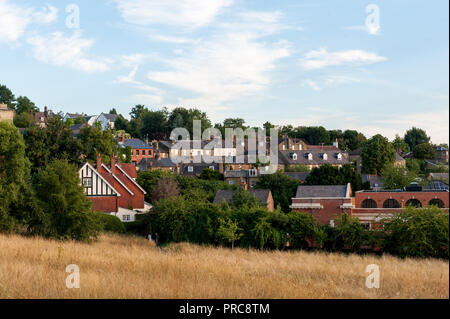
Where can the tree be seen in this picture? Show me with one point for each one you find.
(125, 154)
(14, 169)
(211, 175)
(7, 97)
(94, 141)
(62, 198)
(229, 231)
(331, 175)
(122, 123)
(348, 234)
(297, 168)
(243, 199)
(418, 232)
(397, 177)
(376, 153)
(416, 136)
(24, 120)
(165, 188)
(24, 105)
(424, 151)
(283, 188)
(113, 111)
(400, 145)
(353, 139)
(304, 231)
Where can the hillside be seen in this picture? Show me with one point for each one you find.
(128, 267)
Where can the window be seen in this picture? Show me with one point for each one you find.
(293, 147)
(231, 182)
(190, 169)
(369, 203)
(137, 152)
(391, 203)
(332, 223)
(294, 157)
(143, 152)
(252, 172)
(284, 147)
(339, 156)
(437, 202)
(325, 156)
(212, 167)
(366, 226)
(87, 182)
(310, 156)
(414, 203)
(126, 218)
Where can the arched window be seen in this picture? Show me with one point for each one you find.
(437, 202)
(391, 203)
(414, 203)
(369, 203)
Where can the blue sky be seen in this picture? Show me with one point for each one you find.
(310, 62)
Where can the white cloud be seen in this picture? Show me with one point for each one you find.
(318, 59)
(329, 82)
(60, 50)
(49, 14)
(187, 13)
(223, 69)
(13, 21)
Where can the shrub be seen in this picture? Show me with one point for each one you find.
(109, 223)
(347, 235)
(304, 231)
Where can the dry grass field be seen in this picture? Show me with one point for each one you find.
(128, 267)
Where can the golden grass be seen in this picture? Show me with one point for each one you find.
(128, 267)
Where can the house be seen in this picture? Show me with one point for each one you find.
(324, 202)
(370, 206)
(291, 144)
(139, 149)
(441, 154)
(112, 190)
(399, 160)
(163, 164)
(312, 158)
(42, 118)
(244, 178)
(6, 114)
(106, 120)
(195, 169)
(438, 181)
(264, 196)
(73, 116)
(375, 182)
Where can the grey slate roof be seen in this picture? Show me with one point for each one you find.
(197, 168)
(236, 174)
(299, 176)
(76, 128)
(136, 144)
(286, 157)
(322, 191)
(110, 117)
(398, 157)
(261, 194)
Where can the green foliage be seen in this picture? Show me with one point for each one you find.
(424, 151)
(297, 168)
(304, 230)
(109, 223)
(23, 120)
(242, 199)
(165, 188)
(347, 235)
(62, 198)
(416, 136)
(229, 231)
(149, 179)
(400, 145)
(283, 188)
(376, 154)
(24, 105)
(414, 165)
(330, 175)
(398, 177)
(211, 175)
(125, 154)
(94, 141)
(418, 232)
(7, 97)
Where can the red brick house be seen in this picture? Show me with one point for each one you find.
(139, 149)
(113, 189)
(324, 202)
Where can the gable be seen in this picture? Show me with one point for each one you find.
(94, 183)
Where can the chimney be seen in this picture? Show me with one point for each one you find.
(244, 185)
(113, 164)
(45, 112)
(336, 144)
(123, 138)
(99, 161)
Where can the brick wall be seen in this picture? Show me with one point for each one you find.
(106, 204)
(330, 211)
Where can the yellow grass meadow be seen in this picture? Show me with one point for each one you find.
(129, 267)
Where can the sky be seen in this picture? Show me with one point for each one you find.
(374, 66)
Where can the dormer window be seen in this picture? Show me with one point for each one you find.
(309, 156)
(190, 169)
(325, 156)
(294, 157)
(339, 156)
(284, 147)
(252, 172)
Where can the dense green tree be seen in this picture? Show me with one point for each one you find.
(353, 140)
(7, 97)
(397, 177)
(418, 232)
(243, 199)
(414, 165)
(424, 151)
(283, 188)
(62, 197)
(24, 105)
(14, 169)
(94, 141)
(331, 175)
(347, 235)
(304, 231)
(154, 125)
(211, 175)
(24, 120)
(400, 145)
(416, 136)
(377, 153)
(125, 154)
(122, 123)
(297, 168)
(229, 231)
(165, 188)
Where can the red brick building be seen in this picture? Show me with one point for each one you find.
(139, 149)
(110, 187)
(324, 202)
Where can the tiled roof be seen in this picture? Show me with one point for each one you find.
(197, 168)
(300, 176)
(287, 157)
(338, 191)
(110, 117)
(135, 143)
(398, 157)
(261, 194)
